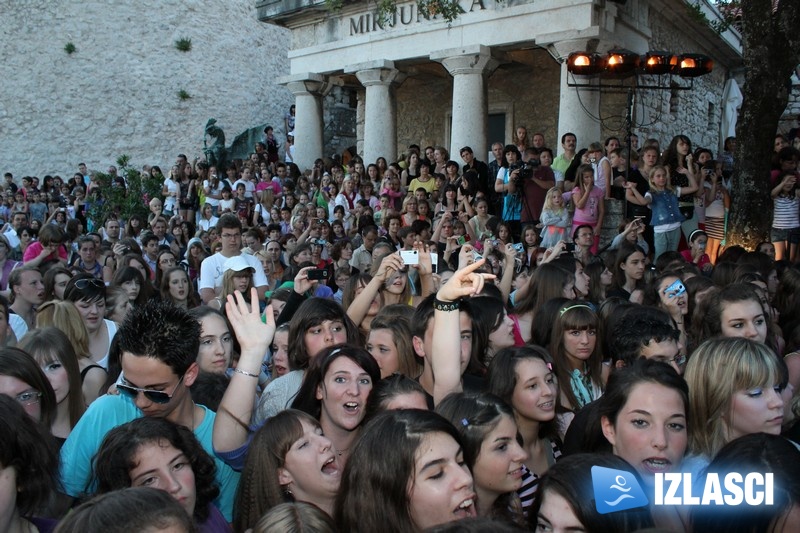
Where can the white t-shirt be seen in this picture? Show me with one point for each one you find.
(18, 325)
(112, 330)
(207, 224)
(170, 201)
(249, 188)
(212, 269)
(13, 238)
(213, 202)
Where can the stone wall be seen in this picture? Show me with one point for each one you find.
(791, 115)
(339, 118)
(118, 92)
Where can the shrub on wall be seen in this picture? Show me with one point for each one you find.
(184, 44)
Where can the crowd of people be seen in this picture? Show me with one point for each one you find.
(418, 345)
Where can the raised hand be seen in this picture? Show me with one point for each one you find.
(389, 264)
(465, 256)
(253, 334)
(301, 282)
(425, 266)
(465, 282)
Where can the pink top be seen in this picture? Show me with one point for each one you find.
(590, 211)
(274, 185)
(704, 259)
(35, 248)
(518, 340)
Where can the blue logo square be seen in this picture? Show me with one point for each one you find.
(616, 490)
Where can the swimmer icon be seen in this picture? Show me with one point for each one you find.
(616, 490)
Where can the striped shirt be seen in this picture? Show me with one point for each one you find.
(786, 215)
(530, 481)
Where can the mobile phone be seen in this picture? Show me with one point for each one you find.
(569, 247)
(320, 221)
(462, 240)
(319, 273)
(410, 257)
(519, 247)
(435, 262)
(476, 256)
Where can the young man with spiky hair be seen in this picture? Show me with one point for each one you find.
(157, 346)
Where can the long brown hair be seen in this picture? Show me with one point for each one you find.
(575, 316)
(50, 345)
(259, 489)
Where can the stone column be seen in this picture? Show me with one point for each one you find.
(576, 104)
(308, 90)
(380, 111)
(469, 66)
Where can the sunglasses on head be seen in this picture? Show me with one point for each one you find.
(94, 282)
(155, 396)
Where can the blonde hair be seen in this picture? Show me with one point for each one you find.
(407, 200)
(65, 316)
(548, 201)
(717, 370)
(668, 185)
(267, 198)
(295, 517)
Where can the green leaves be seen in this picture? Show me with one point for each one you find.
(183, 44)
(124, 202)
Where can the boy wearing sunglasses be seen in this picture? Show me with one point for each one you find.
(157, 349)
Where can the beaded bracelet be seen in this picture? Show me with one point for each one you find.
(439, 305)
(245, 373)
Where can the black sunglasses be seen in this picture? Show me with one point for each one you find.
(83, 283)
(155, 396)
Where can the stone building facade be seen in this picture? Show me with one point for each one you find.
(118, 92)
(791, 117)
(498, 65)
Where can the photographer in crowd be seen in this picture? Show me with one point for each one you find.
(535, 180)
(525, 185)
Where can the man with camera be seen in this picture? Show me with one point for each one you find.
(536, 180)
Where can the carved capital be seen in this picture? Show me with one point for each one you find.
(380, 76)
(307, 84)
(467, 60)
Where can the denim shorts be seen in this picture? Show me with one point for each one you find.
(782, 235)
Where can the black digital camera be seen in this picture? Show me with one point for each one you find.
(525, 169)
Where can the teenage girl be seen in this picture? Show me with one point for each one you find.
(589, 204)
(785, 221)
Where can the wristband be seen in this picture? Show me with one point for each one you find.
(245, 373)
(439, 305)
